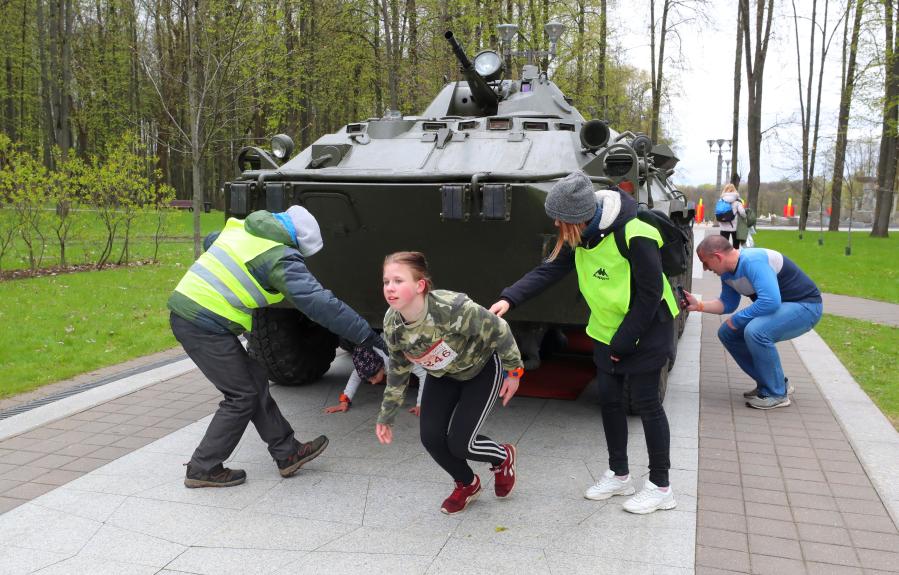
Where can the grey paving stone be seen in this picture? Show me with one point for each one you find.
(846, 491)
(768, 565)
(773, 546)
(85, 464)
(875, 540)
(763, 482)
(172, 522)
(808, 487)
(53, 460)
(34, 527)
(882, 524)
(722, 559)
(95, 566)
(370, 564)
(234, 561)
(24, 473)
(767, 496)
(768, 511)
(8, 503)
(717, 520)
(122, 545)
(883, 560)
(719, 490)
(28, 491)
(14, 457)
(713, 537)
(15, 560)
(860, 506)
(772, 527)
(823, 534)
(810, 501)
(721, 504)
(818, 516)
(829, 569)
(77, 450)
(827, 553)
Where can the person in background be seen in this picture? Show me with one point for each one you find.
(252, 263)
(728, 225)
(786, 303)
(368, 365)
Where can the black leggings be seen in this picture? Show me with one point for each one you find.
(644, 389)
(452, 413)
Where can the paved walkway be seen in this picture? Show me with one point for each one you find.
(807, 489)
(861, 308)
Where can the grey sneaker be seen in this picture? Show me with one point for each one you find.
(755, 391)
(768, 402)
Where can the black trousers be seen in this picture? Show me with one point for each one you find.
(452, 413)
(733, 238)
(644, 389)
(243, 382)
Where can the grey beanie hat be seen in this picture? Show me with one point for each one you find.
(309, 235)
(572, 199)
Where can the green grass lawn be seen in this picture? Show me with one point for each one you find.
(56, 327)
(872, 271)
(871, 354)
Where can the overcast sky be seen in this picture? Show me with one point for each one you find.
(702, 105)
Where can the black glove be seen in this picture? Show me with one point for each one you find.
(375, 340)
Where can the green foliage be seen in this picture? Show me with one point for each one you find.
(871, 271)
(871, 354)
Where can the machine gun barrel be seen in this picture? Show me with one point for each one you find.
(481, 93)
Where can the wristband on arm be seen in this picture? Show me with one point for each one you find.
(345, 399)
(516, 373)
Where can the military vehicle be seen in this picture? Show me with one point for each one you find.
(464, 182)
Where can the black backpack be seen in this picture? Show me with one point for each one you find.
(675, 250)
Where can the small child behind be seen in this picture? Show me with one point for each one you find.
(368, 364)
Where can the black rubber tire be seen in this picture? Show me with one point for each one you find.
(663, 389)
(293, 349)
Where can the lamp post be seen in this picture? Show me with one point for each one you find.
(507, 33)
(723, 147)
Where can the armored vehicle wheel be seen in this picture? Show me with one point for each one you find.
(626, 399)
(294, 349)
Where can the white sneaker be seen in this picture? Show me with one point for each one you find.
(650, 499)
(610, 485)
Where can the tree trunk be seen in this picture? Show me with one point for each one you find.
(886, 165)
(839, 161)
(9, 120)
(389, 40)
(601, 72)
(805, 108)
(755, 73)
(734, 176)
(194, 88)
(579, 50)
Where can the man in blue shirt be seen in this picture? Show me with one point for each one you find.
(786, 303)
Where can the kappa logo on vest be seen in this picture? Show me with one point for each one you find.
(601, 274)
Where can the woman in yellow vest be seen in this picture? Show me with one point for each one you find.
(252, 263)
(631, 304)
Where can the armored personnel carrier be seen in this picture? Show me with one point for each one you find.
(464, 182)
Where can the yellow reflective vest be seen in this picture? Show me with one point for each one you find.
(604, 277)
(220, 281)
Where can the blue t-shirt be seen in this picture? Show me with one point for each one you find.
(767, 278)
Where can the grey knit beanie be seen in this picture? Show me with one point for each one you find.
(571, 199)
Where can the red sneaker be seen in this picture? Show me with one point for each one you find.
(461, 496)
(504, 473)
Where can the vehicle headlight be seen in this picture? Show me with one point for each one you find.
(282, 146)
(488, 64)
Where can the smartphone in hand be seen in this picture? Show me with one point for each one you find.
(682, 297)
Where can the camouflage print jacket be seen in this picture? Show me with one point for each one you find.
(455, 337)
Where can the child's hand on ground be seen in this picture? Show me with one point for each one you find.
(340, 407)
(384, 433)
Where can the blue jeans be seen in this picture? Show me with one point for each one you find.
(753, 346)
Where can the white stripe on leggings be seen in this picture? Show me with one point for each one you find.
(481, 447)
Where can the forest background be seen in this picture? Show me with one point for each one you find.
(185, 86)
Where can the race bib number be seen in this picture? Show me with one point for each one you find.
(439, 356)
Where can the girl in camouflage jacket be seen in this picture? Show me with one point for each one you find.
(471, 359)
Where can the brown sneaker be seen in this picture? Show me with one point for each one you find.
(218, 476)
(307, 452)
(504, 473)
(461, 496)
